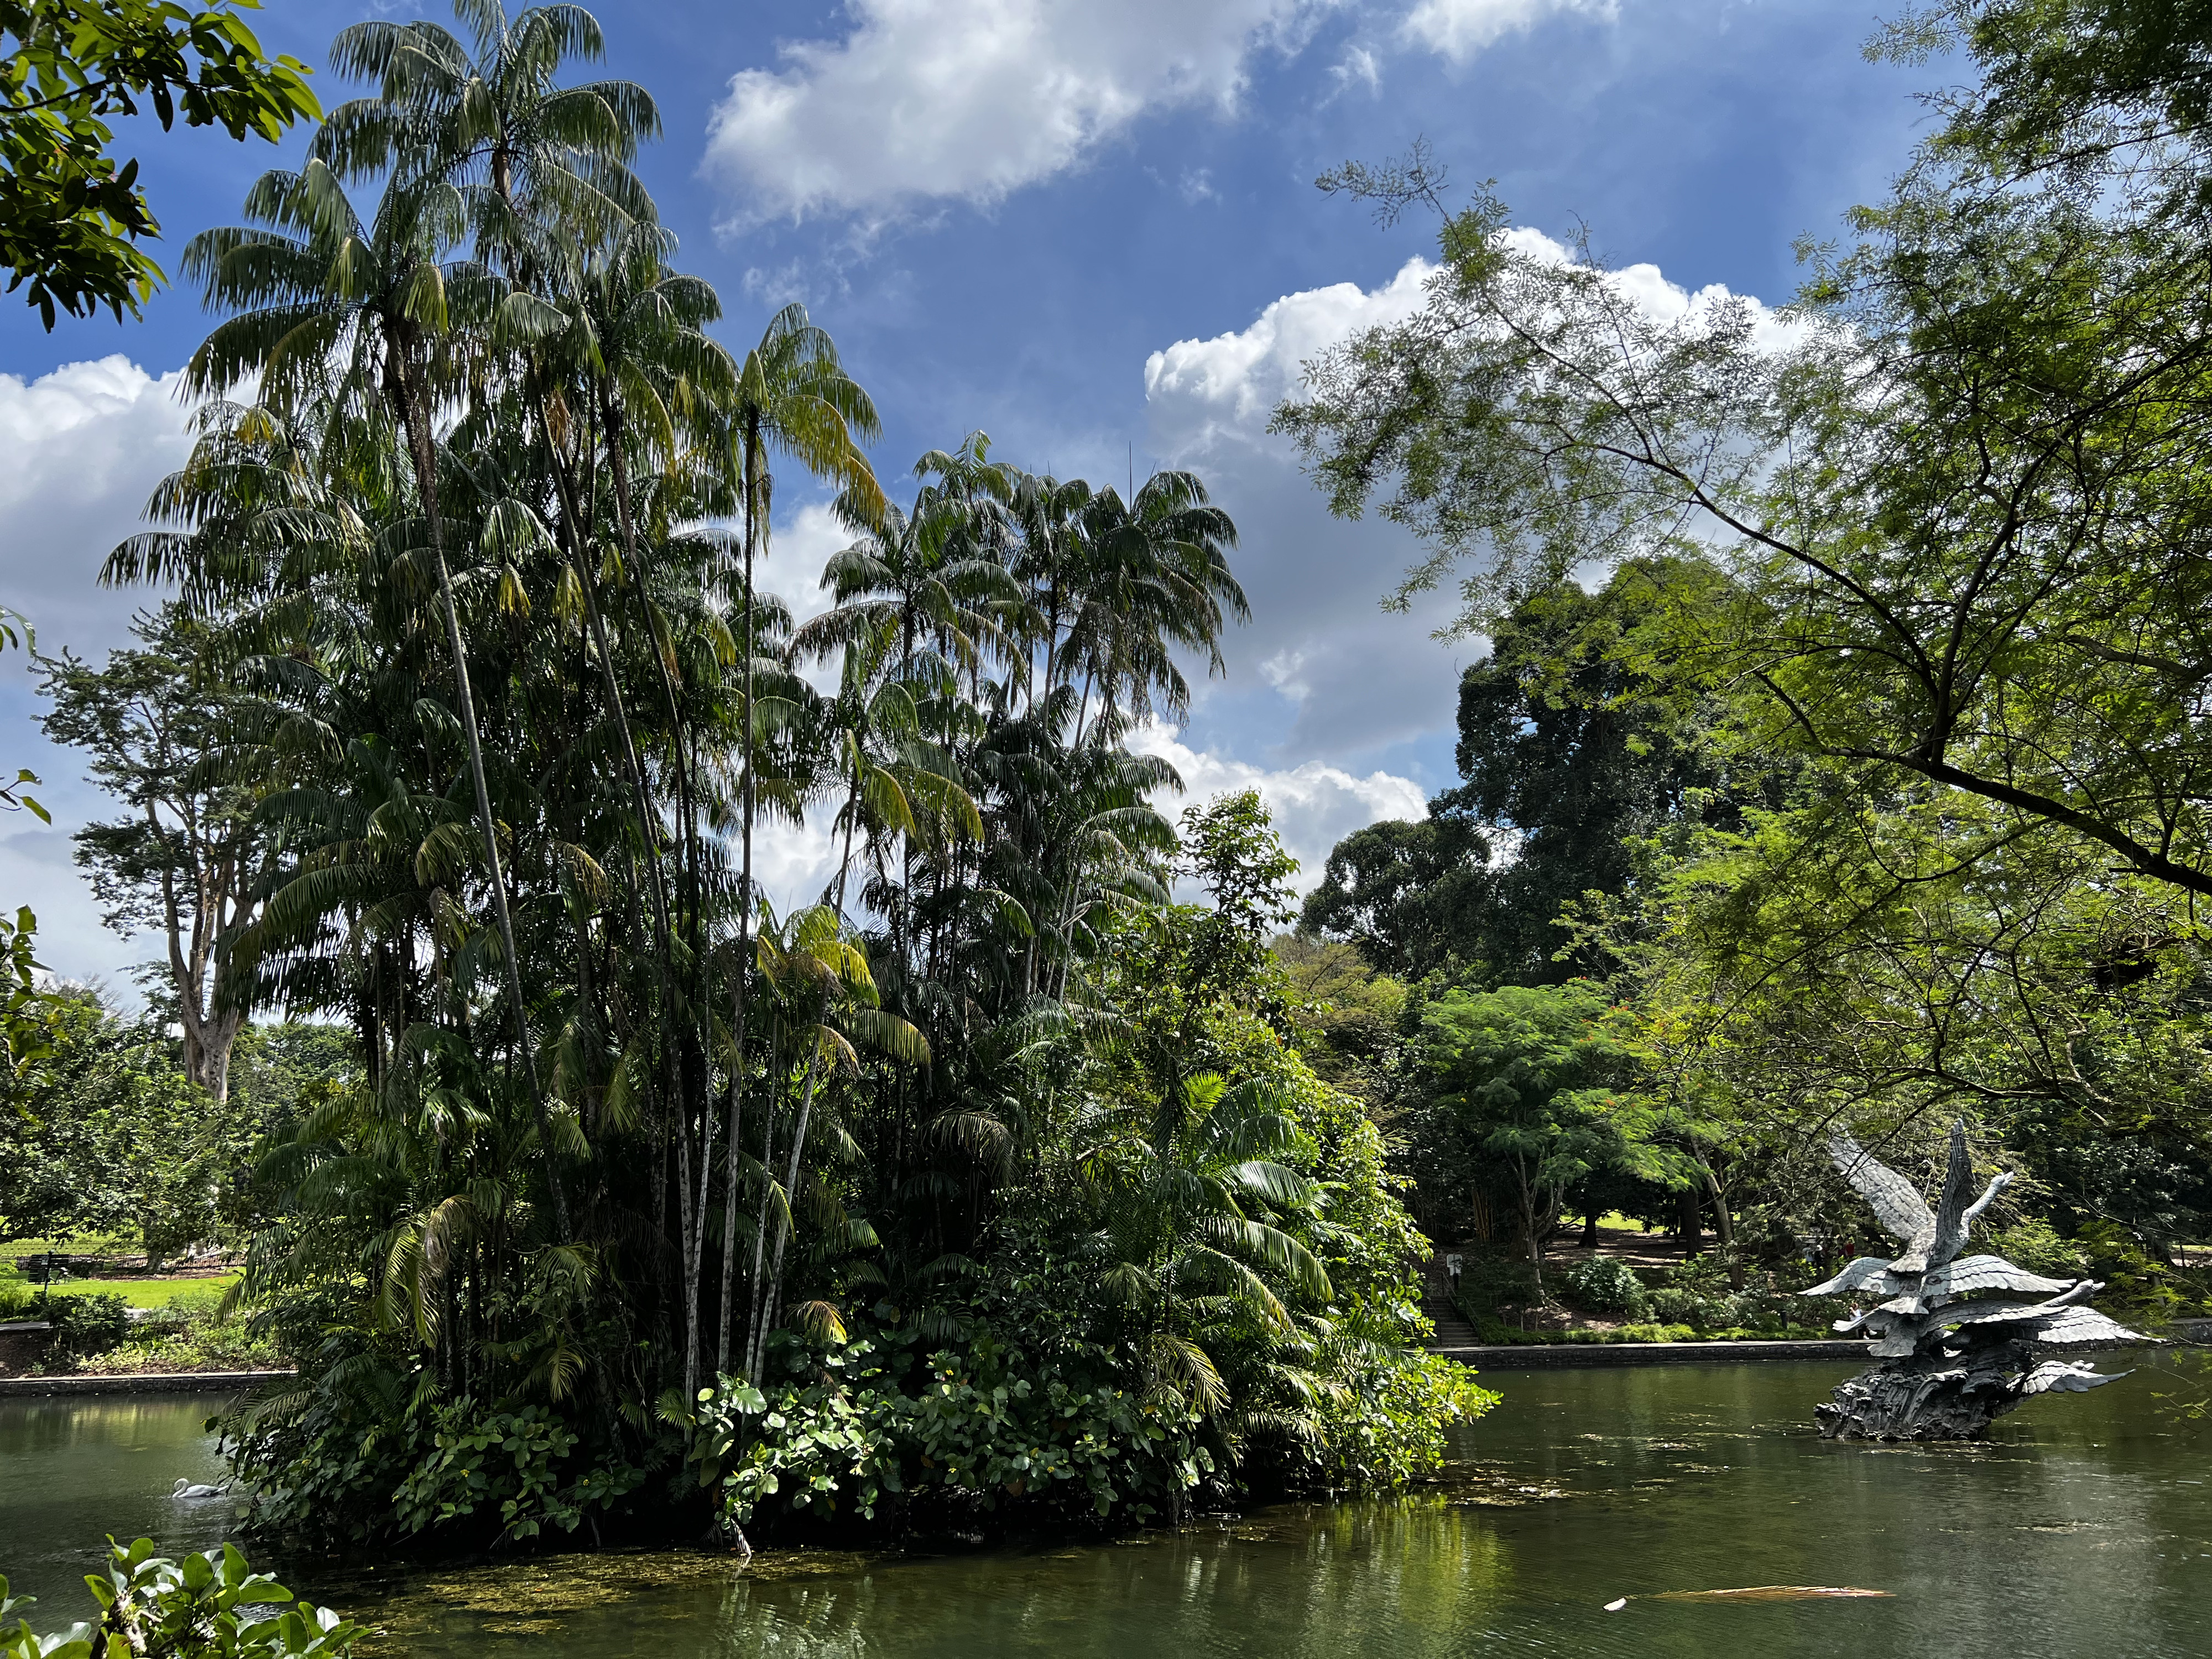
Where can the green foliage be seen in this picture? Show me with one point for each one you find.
(2036, 1245)
(88, 1323)
(1414, 897)
(1535, 1080)
(469, 685)
(510, 1458)
(944, 1435)
(70, 217)
(111, 1135)
(210, 1606)
(1605, 1284)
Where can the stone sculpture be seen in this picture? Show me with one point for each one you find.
(1959, 1346)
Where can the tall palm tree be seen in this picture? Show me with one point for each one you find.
(1158, 580)
(824, 1003)
(526, 153)
(793, 398)
(358, 315)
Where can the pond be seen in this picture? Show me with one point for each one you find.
(2084, 1527)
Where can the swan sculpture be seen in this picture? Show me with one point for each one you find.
(1962, 1340)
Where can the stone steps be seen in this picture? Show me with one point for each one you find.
(1453, 1330)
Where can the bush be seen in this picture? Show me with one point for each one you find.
(968, 1429)
(1605, 1284)
(1672, 1305)
(88, 1323)
(157, 1609)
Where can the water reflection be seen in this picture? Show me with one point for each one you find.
(74, 1470)
(2086, 1528)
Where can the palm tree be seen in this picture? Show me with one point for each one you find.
(824, 1002)
(793, 398)
(322, 298)
(1190, 1206)
(527, 154)
(1156, 578)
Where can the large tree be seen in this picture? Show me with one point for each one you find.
(1958, 497)
(187, 857)
(1571, 751)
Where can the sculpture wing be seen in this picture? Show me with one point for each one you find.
(1859, 1272)
(1954, 1217)
(2083, 1327)
(1901, 1211)
(1973, 1273)
(2064, 1376)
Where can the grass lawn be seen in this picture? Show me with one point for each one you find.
(141, 1292)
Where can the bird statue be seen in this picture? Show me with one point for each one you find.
(1959, 1346)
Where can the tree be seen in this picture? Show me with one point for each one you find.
(22, 1003)
(1573, 747)
(1534, 1078)
(188, 859)
(70, 219)
(379, 292)
(1958, 497)
(112, 1136)
(1414, 896)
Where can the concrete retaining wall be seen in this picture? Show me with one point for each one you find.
(1551, 1356)
(173, 1383)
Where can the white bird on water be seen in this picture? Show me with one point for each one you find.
(189, 1492)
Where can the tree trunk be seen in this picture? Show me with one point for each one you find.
(1724, 1225)
(415, 406)
(741, 975)
(1690, 1229)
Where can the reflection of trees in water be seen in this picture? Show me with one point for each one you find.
(1318, 1582)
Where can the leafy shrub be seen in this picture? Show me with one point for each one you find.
(1672, 1305)
(974, 1428)
(508, 1457)
(155, 1608)
(18, 1295)
(1605, 1284)
(88, 1323)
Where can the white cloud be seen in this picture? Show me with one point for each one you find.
(1203, 392)
(1358, 66)
(974, 99)
(1314, 805)
(1666, 301)
(1458, 29)
(85, 445)
(1357, 680)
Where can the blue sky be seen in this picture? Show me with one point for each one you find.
(1089, 229)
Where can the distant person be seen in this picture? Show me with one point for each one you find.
(1452, 1265)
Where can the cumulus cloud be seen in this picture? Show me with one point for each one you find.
(1314, 805)
(1458, 29)
(85, 445)
(1358, 681)
(971, 100)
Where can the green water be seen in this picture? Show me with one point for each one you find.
(2084, 1529)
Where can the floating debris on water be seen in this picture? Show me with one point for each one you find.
(1767, 1593)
